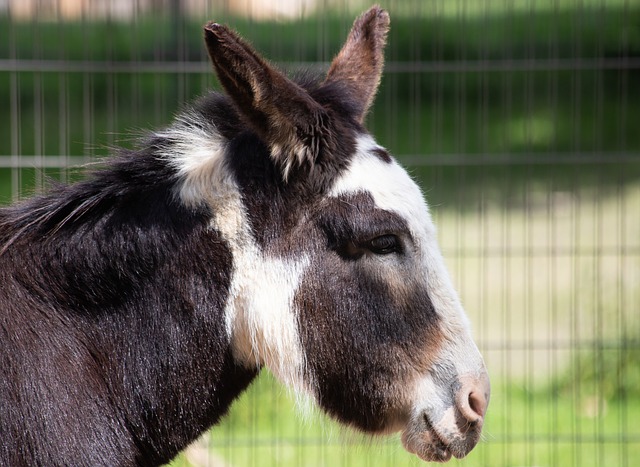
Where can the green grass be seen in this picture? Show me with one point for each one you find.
(523, 428)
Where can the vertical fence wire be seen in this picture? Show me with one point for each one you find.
(516, 117)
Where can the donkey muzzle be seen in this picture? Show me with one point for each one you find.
(437, 434)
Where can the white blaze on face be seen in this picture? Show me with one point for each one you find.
(393, 190)
(258, 314)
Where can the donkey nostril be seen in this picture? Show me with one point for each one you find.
(477, 403)
(472, 398)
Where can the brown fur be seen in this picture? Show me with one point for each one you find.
(359, 64)
(283, 114)
(294, 126)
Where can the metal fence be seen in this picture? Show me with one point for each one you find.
(519, 118)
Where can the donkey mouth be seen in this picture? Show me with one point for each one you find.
(427, 444)
(433, 444)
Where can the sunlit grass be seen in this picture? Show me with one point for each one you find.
(523, 428)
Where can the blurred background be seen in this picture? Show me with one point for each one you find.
(521, 121)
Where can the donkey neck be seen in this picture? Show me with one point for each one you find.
(142, 281)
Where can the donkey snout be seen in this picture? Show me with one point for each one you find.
(472, 399)
(439, 432)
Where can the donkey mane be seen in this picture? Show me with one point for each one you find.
(145, 173)
(98, 262)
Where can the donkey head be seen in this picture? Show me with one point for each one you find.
(338, 283)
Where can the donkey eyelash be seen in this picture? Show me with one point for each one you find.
(384, 244)
(380, 245)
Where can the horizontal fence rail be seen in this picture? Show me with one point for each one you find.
(202, 67)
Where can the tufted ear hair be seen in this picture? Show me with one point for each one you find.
(358, 66)
(283, 114)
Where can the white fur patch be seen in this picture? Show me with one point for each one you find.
(259, 313)
(197, 153)
(259, 316)
(393, 190)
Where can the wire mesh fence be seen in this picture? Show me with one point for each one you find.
(519, 119)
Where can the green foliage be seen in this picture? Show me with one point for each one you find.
(578, 32)
(430, 109)
(609, 374)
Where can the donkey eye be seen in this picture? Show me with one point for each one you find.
(384, 244)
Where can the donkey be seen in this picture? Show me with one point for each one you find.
(264, 228)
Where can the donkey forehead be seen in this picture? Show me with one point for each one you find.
(389, 185)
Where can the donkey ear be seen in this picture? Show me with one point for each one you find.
(359, 64)
(283, 114)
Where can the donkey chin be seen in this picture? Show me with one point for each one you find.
(436, 432)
